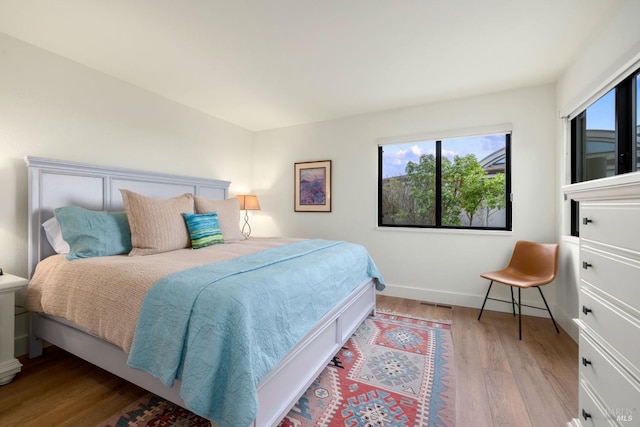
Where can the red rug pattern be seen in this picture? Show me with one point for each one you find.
(154, 411)
(394, 371)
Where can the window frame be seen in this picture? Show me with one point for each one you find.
(625, 136)
(438, 182)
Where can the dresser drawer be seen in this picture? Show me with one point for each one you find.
(616, 389)
(590, 413)
(618, 276)
(617, 327)
(612, 223)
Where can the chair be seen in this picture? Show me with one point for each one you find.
(532, 265)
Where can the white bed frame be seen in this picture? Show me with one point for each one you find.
(54, 183)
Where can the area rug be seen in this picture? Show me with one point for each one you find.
(394, 371)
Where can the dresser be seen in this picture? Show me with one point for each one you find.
(9, 365)
(609, 316)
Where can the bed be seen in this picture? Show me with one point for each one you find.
(54, 184)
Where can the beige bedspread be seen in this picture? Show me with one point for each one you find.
(104, 295)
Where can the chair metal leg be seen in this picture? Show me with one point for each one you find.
(520, 315)
(546, 305)
(513, 301)
(519, 303)
(485, 299)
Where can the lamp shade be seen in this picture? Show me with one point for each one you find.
(248, 202)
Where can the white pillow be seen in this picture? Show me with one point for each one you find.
(228, 216)
(54, 236)
(157, 225)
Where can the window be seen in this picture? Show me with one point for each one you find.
(595, 130)
(605, 138)
(636, 123)
(447, 183)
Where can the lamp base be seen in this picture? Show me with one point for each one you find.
(246, 228)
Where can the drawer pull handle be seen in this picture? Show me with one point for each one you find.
(586, 265)
(586, 310)
(585, 415)
(586, 220)
(586, 362)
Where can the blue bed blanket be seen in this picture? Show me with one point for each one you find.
(222, 327)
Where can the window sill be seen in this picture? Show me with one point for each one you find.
(445, 231)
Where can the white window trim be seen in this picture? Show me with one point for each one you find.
(446, 134)
(603, 84)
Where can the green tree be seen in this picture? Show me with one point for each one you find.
(462, 189)
(397, 203)
(421, 179)
(494, 195)
(466, 191)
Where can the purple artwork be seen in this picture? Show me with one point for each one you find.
(312, 186)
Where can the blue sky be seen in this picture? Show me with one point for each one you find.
(396, 156)
(602, 113)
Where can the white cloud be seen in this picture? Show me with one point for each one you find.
(450, 153)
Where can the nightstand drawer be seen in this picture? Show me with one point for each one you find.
(618, 276)
(611, 223)
(619, 328)
(617, 390)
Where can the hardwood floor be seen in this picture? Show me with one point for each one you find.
(500, 381)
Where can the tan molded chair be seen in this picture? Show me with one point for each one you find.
(532, 265)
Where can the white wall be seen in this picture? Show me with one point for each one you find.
(53, 107)
(441, 266)
(615, 49)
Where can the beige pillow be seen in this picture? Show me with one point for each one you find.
(157, 225)
(228, 215)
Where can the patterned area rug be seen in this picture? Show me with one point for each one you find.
(394, 371)
(153, 411)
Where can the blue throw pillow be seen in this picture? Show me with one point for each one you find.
(93, 233)
(204, 229)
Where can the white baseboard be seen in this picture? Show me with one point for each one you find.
(529, 297)
(567, 323)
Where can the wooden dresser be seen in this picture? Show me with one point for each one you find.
(609, 322)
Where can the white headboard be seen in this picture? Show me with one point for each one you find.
(55, 183)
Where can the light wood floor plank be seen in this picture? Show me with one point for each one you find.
(557, 356)
(505, 401)
(472, 399)
(500, 381)
(527, 358)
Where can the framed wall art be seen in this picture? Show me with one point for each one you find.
(312, 184)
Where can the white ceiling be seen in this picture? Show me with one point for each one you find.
(265, 64)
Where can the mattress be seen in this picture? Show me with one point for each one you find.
(103, 295)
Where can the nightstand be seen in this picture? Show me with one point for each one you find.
(9, 365)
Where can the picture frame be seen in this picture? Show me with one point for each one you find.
(312, 186)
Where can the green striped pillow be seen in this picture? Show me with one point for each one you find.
(204, 229)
